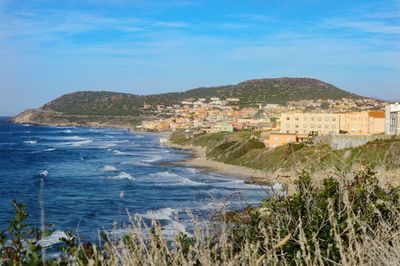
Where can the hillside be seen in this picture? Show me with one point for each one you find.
(275, 90)
(245, 149)
(280, 90)
(111, 104)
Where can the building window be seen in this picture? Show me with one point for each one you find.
(287, 118)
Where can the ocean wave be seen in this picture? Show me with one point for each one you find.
(121, 141)
(53, 239)
(214, 206)
(68, 131)
(121, 153)
(161, 214)
(136, 163)
(80, 143)
(166, 214)
(110, 145)
(192, 170)
(50, 149)
(30, 141)
(74, 138)
(152, 159)
(123, 175)
(109, 168)
(173, 227)
(44, 173)
(177, 178)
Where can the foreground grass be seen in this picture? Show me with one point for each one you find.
(350, 220)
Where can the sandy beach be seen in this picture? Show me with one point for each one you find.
(199, 160)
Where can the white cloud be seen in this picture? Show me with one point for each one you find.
(363, 25)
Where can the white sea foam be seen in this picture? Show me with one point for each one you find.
(30, 141)
(123, 175)
(176, 178)
(80, 143)
(74, 138)
(192, 170)
(121, 153)
(136, 163)
(277, 187)
(110, 145)
(53, 239)
(166, 214)
(214, 206)
(152, 159)
(67, 131)
(44, 173)
(161, 214)
(109, 168)
(121, 141)
(50, 149)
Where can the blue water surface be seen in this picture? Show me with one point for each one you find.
(93, 177)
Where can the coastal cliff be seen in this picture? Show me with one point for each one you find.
(53, 118)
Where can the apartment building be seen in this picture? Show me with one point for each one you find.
(221, 127)
(309, 123)
(354, 123)
(363, 123)
(392, 119)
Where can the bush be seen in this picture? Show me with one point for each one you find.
(324, 224)
(349, 221)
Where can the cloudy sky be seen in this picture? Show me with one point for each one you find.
(52, 47)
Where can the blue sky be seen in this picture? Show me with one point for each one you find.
(49, 48)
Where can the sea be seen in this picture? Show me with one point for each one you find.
(87, 180)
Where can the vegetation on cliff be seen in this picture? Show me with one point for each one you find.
(350, 221)
(245, 149)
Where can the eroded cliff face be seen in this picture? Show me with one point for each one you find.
(24, 117)
(53, 118)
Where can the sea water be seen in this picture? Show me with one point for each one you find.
(93, 178)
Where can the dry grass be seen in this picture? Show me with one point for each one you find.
(356, 240)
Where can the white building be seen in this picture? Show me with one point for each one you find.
(392, 119)
(271, 106)
(233, 100)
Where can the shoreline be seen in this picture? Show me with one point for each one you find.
(199, 160)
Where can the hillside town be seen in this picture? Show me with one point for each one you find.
(295, 122)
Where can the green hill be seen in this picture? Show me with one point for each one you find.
(277, 90)
(274, 90)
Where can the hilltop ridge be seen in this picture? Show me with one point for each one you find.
(97, 107)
